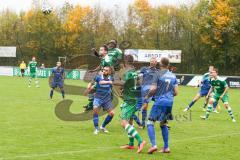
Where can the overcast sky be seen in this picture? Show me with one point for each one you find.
(19, 5)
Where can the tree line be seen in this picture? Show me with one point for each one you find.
(208, 32)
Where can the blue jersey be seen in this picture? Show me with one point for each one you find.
(148, 75)
(103, 91)
(206, 85)
(58, 74)
(166, 83)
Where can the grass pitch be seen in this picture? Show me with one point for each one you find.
(30, 130)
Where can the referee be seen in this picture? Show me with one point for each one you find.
(22, 68)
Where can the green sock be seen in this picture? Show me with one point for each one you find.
(132, 132)
(209, 109)
(230, 112)
(131, 140)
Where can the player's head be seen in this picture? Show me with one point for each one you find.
(112, 43)
(153, 62)
(214, 73)
(106, 71)
(210, 68)
(33, 59)
(22, 61)
(103, 50)
(128, 59)
(58, 64)
(164, 63)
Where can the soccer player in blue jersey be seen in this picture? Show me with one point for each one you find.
(147, 77)
(103, 98)
(205, 87)
(58, 78)
(165, 88)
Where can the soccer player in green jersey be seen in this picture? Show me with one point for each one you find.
(115, 54)
(205, 87)
(32, 66)
(218, 91)
(128, 107)
(110, 56)
(106, 61)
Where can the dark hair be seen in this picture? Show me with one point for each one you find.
(105, 47)
(164, 62)
(128, 59)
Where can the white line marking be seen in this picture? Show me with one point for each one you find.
(59, 153)
(108, 148)
(207, 137)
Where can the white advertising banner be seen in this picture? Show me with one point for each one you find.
(196, 81)
(6, 71)
(7, 51)
(143, 55)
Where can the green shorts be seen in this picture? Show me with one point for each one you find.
(127, 110)
(33, 74)
(216, 97)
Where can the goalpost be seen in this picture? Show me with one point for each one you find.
(63, 60)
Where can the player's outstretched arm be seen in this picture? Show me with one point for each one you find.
(106, 82)
(209, 92)
(225, 91)
(89, 88)
(175, 90)
(118, 83)
(95, 52)
(152, 91)
(96, 69)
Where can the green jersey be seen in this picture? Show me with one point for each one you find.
(130, 86)
(219, 85)
(115, 53)
(32, 66)
(107, 61)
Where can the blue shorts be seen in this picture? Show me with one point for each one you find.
(106, 105)
(203, 92)
(139, 103)
(57, 84)
(160, 113)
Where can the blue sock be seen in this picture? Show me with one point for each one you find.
(215, 105)
(107, 120)
(191, 104)
(95, 120)
(136, 119)
(164, 129)
(144, 116)
(51, 94)
(63, 94)
(151, 134)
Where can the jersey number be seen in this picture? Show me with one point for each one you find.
(168, 81)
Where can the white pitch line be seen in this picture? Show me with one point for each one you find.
(58, 153)
(107, 148)
(207, 137)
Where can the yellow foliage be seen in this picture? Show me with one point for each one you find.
(142, 5)
(221, 14)
(74, 18)
(205, 39)
(28, 15)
